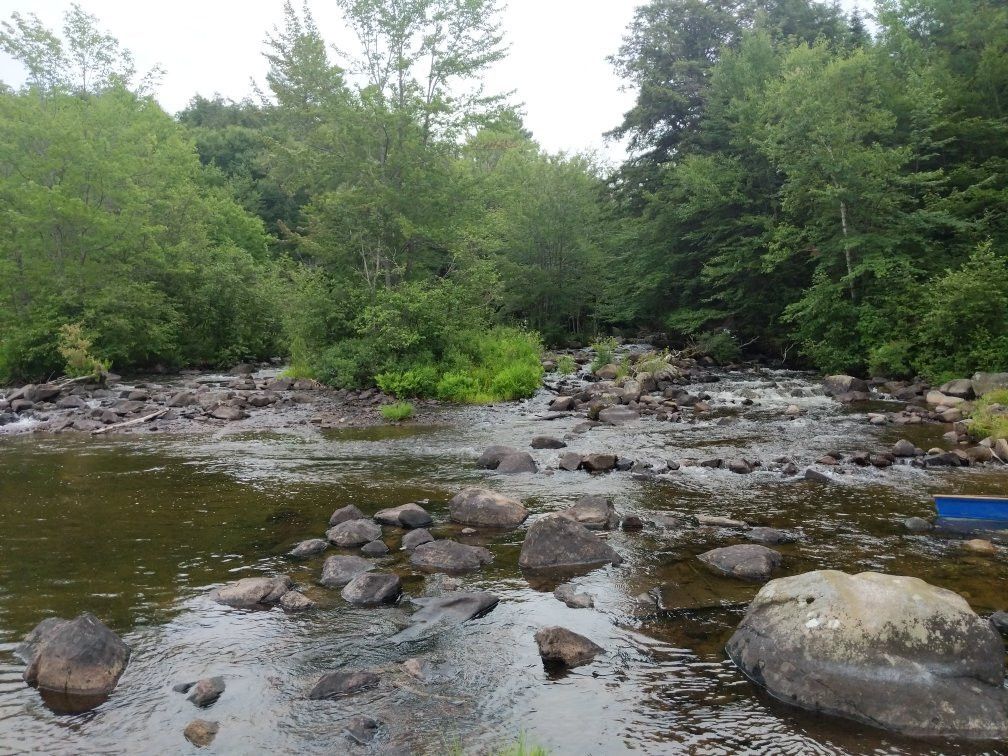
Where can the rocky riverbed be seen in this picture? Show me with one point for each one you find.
(587, 604)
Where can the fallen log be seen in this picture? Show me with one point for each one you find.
(128, 423)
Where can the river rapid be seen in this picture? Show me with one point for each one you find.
(138, 528)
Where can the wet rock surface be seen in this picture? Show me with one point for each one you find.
(201, 732)
(337, 684)
(443, 612)
(253, 592)
(449, 556)
(485, 508)
(372, 589)
(745, 561)
(555, 542)
(558, 645)
(337, 571)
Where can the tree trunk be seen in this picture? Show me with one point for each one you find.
(846, 245)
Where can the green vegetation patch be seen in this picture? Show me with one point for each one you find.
(397, 412)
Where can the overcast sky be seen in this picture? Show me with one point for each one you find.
(557, 62)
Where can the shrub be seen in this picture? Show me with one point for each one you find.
(721, 346)
(348, 364)
(565, 365)
(75, 348)
(516, 381)
(989, 416)
(890, 360)
(397, 412)
(605, 352)
(420, 381)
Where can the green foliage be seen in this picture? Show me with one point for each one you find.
(652, 363)
(565, 365)
(721, 346)
(420, 381)
(75, 348)
(397, 412)
(605, 352)
(989, 416)
(891, 360)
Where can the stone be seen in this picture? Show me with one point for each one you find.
(979, 454)
(79, 659)
(547, 442)
(563, 404)
(449, 556)
(521, 462)
(716, 521)
(441, 612)
(598, 462)
(223, 412)
(361, 729)
(1001, 449)
(747, 561)
(947, 459)
(570, 461)
(842, 384)
(201, 732)
(950, 416)
(414, 538)
(1000, 622)
(768, 535)
(354, 533)
(595, 512)
(555, 542)
(206, 691)
(607, 372)
(373, 589)
(493, 455)
(335, 684)
(253, 592)
(793, 410)
(569, 595)
(295, 601)
(374, 549)
(980, 546)
(916, 524)
(618, 415)
(984, 383)
(344, 514)
(886, 650)
(337, 571)
(632, 523)
(404, 516)
(817, 477)
(309, 548)
(484, 508)
(558, 645)
(961, 388)
(740, 466)
(427, 671)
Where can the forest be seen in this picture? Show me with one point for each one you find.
(804, 185)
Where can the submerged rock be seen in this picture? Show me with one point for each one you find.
(201, 732)
(441, 612)
(427, 671)
(361, 729)
(340, 570)
(81, 660)
(555, 542)
(485, 508)
(568, 594)
(449, 556)
(295, 601)
(748, 561)
(558, 645)
(308, 548)
(373, 589)
(374, 549)
(916, 524)
(253, 592)
(768, 535)
(890, 651)
(334, 684)
(493, 455)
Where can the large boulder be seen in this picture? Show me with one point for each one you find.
(484, 508)
(354, 533)
(843, 384)
(493, 455)
(547, 442)
(595, 512)
(960, 387)
(373, 589)
(558, 645)
(984, 383)
(618, 415)
(890, 651)
(308, 548)
(335, 684)
(449, 556)
(445, 611)
(748, 561)
(404, 516)
(520, 462)
(253, 592)
(345, 514)
(78, 659)
(556, 542)
(337, 571)
(599, 462)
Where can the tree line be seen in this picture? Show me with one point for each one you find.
(802, 184)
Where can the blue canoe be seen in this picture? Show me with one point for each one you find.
(989, 508)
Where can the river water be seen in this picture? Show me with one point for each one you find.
(137, 529)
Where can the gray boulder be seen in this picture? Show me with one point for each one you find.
(520, 462)
(618, 415)
(308, 548)
(295, 601)
(442, 612)
(547, 442)
(960, 387)
(598, 462)
(558, 645)
(354, 533)
(889, 651)
(748, 561)
(405, 516)
(493, 455)
(555, 542)
(206, 691)
(595, 512)
(449, 556)
(253, 592)
(984, 383)
(570, 461)
(201, 732)
(768, 535)
(345, 514)
(374, 549)
(414, 538)
(335, 684)
(484, 508)
(568, 594)
(916, 524)
(373, 589)
(843, 384)
(77, 659)
(337, 571)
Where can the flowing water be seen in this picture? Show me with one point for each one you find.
(137, 529)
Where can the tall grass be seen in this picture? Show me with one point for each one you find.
(989, 416)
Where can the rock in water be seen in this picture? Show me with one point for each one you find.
(547, 442)
(201, 733)
(555, 542)
(361, 729)
(890, 651)
(340, 570)
(569, 595)
(335, 684)
(521, 462)
(253, 592)
(493, 455)
(353, 533)
(594, 512)
(79, 659)
(748, 561)
(372, 589)
(404, 516)
(344, 514)
(445, 611)
(206, 691)
(295, 601)
(308, 548)
(558, 645)
(449, 556)
(414, 538)
(484, 508)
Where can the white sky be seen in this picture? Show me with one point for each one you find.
(557, 62)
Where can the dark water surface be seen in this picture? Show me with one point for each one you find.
(138, 529)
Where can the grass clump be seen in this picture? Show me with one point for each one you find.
(565, 365)
(989, 416)
(396, 413)
(605, 352)
(520, 747)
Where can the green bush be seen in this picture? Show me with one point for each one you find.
(989, 416)
(420, 381)
(458, 386)
(398, 412)
(516, 381)
(565, 365)
(605, 352)
(75, 349)
(890, 360)
(721, 346)
(348, 364)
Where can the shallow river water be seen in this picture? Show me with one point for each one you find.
(137, 530)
